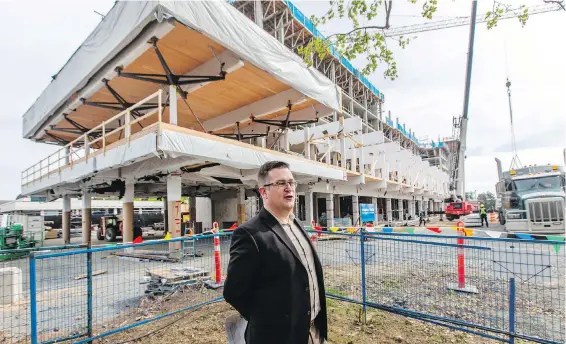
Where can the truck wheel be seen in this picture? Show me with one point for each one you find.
(110, 234)
(501, 219)
(137, 232)
(99, 234)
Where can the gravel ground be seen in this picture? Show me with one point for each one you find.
(402, 276)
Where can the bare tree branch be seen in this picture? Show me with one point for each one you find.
(388, 6)
(560, 3)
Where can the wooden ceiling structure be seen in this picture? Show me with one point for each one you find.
(183, 50)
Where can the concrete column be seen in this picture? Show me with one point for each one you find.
(241, 195)
(128, 213)
(329, 210)
(86, 215)
(174, 214)
(193, 208)
(309, 209)
(412, 208)
(389, 210)
(66, 219)
(376, 215)
(173, 105)
(336, 206)
(314, 207)
(401, 211)
(356, 211)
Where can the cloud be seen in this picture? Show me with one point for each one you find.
(550, 138)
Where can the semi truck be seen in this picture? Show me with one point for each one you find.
(531, 199)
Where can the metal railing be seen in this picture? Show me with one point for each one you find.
(97, 140)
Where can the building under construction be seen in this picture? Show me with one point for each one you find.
(172, 99)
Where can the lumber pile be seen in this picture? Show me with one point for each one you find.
(167, 279)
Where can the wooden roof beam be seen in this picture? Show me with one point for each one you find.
(258, 109)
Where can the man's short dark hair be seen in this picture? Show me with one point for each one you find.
(265, 168)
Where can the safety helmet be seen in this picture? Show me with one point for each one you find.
(482, 206)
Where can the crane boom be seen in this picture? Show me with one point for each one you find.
(463, 21)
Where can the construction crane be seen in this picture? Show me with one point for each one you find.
(460, 124)
(463, 21)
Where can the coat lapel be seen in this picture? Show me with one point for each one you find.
(274, 225)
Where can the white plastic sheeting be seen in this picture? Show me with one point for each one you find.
(218, 20)
(176, 144)
(350, 125)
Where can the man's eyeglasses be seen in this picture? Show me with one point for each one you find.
(283, 183)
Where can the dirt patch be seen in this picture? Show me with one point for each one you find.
(204, 325)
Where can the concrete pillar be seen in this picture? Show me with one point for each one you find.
(309, 209)
(401, 211)
(193, 208)
(356, 211)
(241, 195)
(86, 215)
(174, 214)
(329, 210)
(389, 209)
(173, 104)
(314, 207)
(128, 213)
(66, 219)
(376, 215)
(336, 206)
(412, 208)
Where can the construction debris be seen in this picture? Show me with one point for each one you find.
(95, 273)
(167, 280)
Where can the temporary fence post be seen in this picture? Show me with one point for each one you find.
(461, 285)
(512, 310)
(217, 262)
(363, 258)
(89, 291)
(32, 298)
(218, 268)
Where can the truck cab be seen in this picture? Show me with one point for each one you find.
(532, 199)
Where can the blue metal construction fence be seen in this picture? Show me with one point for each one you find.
(502, 289)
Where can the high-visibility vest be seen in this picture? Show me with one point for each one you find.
(482, 211)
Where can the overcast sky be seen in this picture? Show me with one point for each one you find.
(427, 94)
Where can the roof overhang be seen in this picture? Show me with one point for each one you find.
(191, 35)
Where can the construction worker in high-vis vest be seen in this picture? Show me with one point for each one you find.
(483, 215)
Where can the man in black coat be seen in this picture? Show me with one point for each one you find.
(275, 279)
